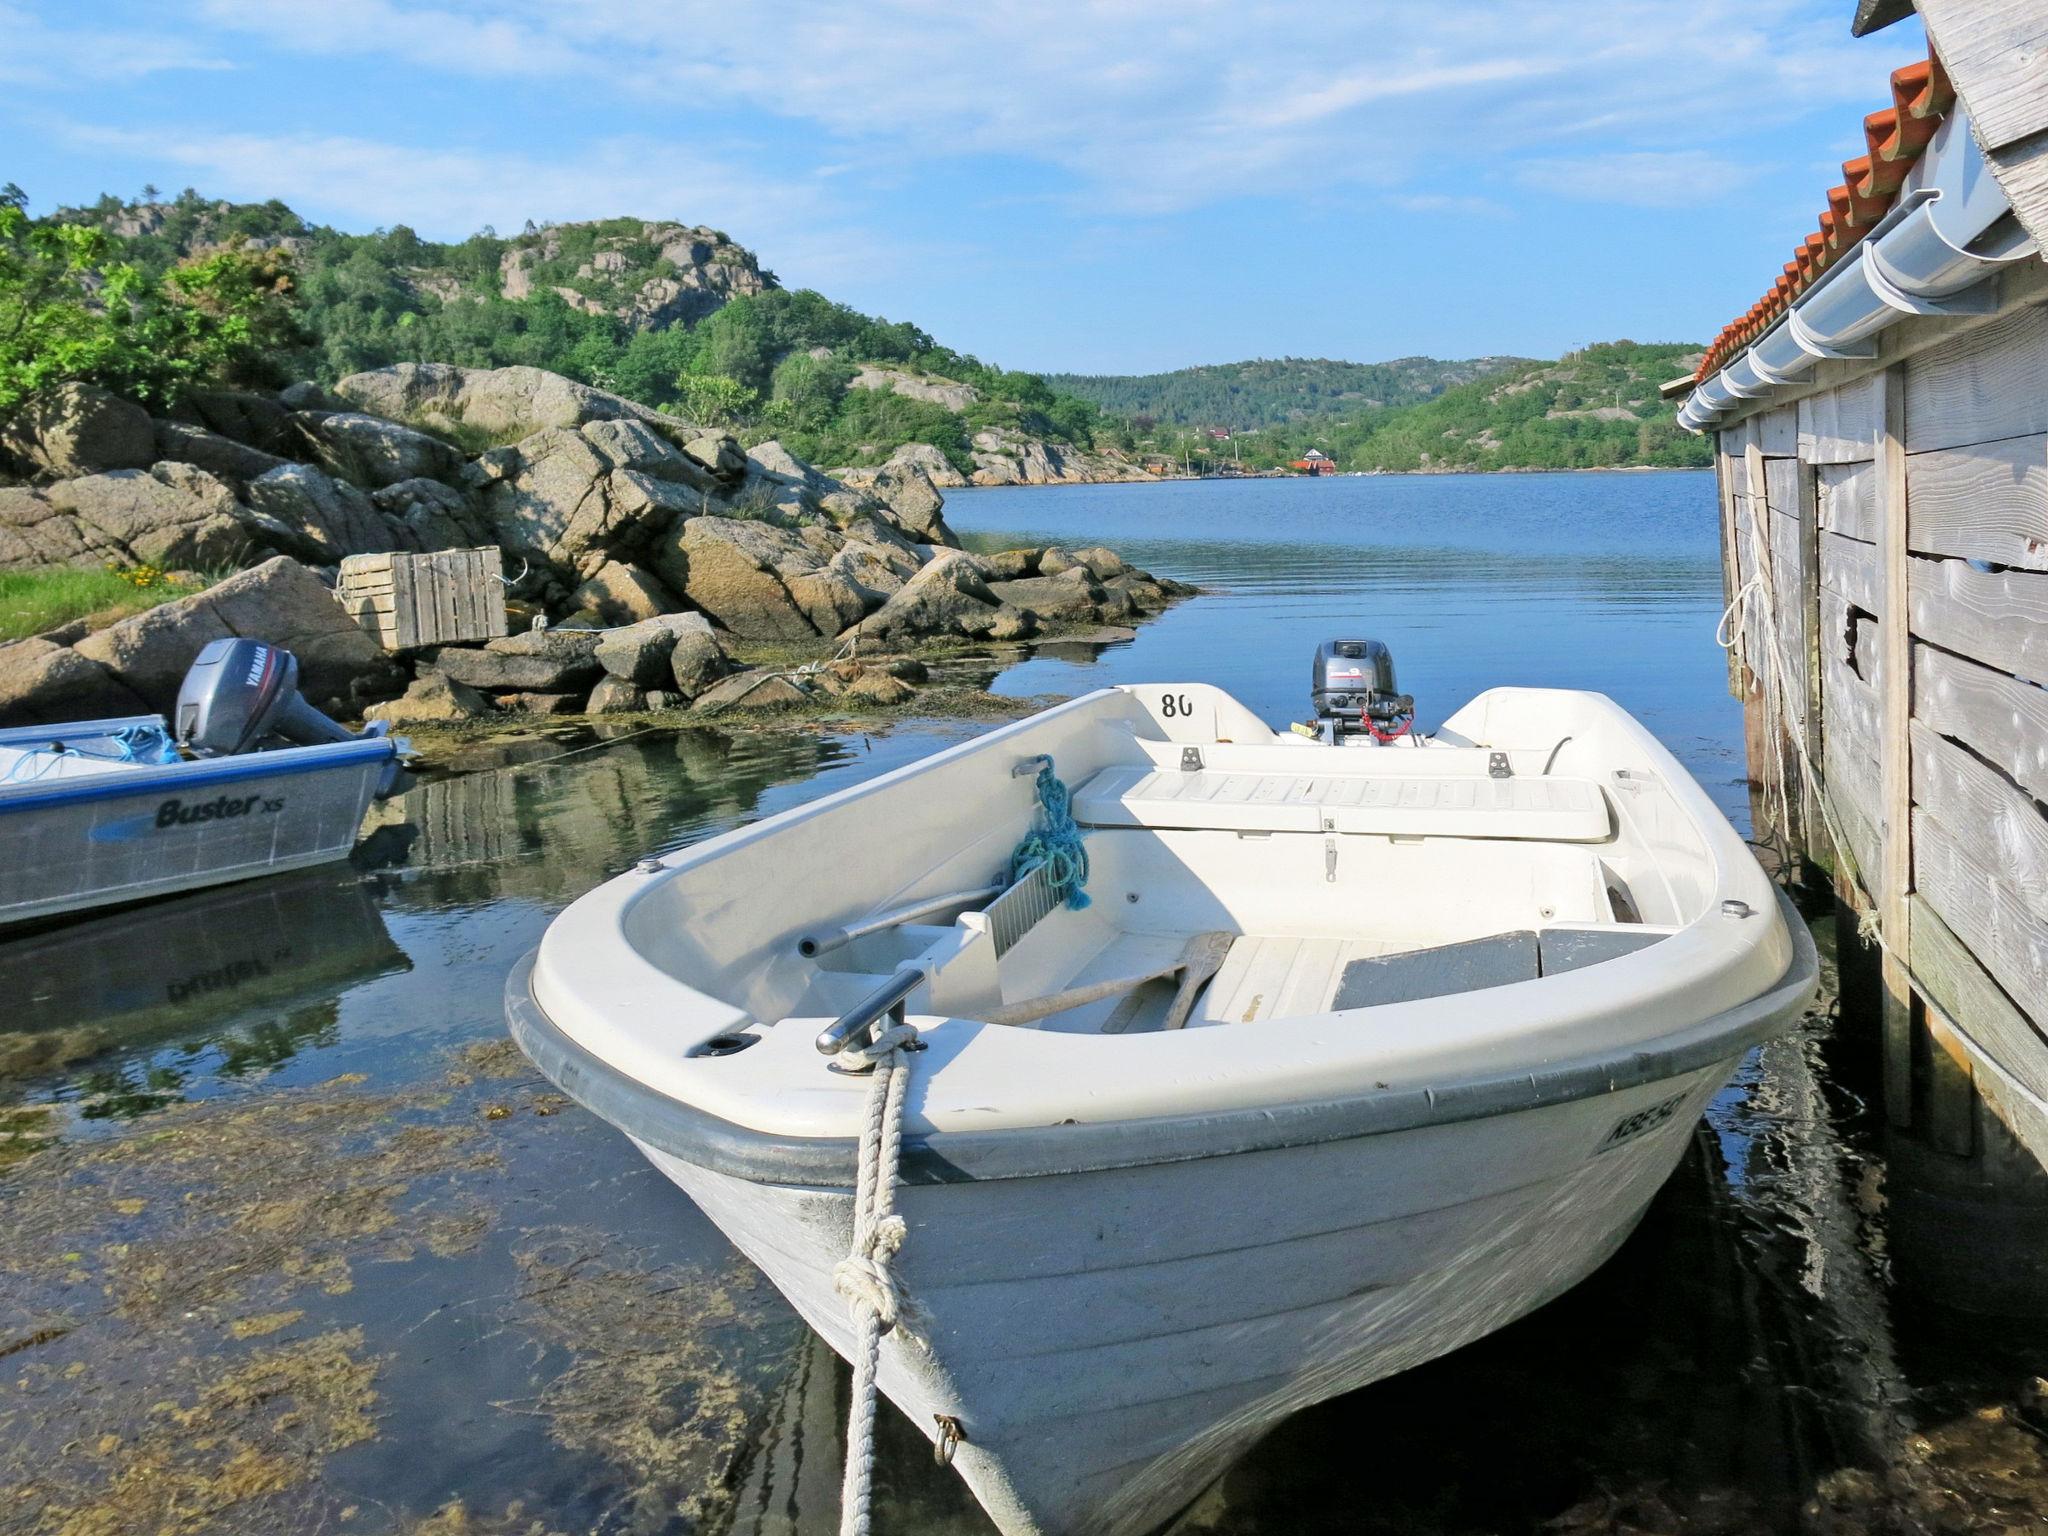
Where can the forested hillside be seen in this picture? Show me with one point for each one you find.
(1271, 392)
(1596, 408)
(667, 314)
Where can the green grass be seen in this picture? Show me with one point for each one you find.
(34, 601)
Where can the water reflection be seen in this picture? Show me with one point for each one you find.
(238, 980)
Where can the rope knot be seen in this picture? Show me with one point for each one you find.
(865, 1281)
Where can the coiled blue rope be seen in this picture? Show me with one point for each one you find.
(1054, 843)
(149, 744)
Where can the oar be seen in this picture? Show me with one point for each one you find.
(1196, 964)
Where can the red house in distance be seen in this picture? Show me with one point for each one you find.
(1314, 462)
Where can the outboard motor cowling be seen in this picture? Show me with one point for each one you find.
(238, 692)
(1352, 689)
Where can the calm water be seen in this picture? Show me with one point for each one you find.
(287, 1222)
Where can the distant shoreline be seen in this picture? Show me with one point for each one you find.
(1366, 474)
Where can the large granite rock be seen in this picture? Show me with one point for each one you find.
(642, 653)
(77, 429)
(1005, 456)
(615, 696)
(433, 699)
(936, 466)
(261, 421)
(235, 463)
(537, 661)
(46, 684)
(1068, 597)
(506, 403)
(758, 689)
(431, 515)
(172, 516)
(622, 594)
(314, 517)
(916, 386)
(948, 596)
(372, 452)
(279, 601)
(758, 581)
(905, 486)
(579, 499)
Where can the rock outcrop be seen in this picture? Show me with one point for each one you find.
(1004, 456)
(907, 485)
(43, 683)
(503, 403)
(693, 271)
(916, 386)
(172, 516)
(78, 430)
(609, 516)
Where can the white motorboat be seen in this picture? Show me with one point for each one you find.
(250, 781)
(1361, 1048)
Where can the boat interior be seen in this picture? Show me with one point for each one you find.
(1235, 876)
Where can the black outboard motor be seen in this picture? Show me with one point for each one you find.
(238, 692)
(1352, 689)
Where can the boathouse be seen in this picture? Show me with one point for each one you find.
(1314, 462)
(1881, 420)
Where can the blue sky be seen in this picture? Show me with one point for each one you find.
(1110, 187)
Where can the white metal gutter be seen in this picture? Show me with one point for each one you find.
(1949, 231)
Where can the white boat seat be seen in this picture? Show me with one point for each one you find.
(1525, 806)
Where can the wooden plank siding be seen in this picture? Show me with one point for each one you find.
(1777, 432)
(1848, 499)
(1981, 386)
(1900, 516)
(1997, 617)
(1982, 501)
(2002, 719)
(1840, 426)
(2009, 940)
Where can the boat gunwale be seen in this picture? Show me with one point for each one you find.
(682, 1130)
(154, 778)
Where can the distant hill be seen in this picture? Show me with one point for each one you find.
(666, 313)
(1274, 391)
(1594, 408)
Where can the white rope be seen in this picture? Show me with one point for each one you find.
(864, 1277)
(1775, 681)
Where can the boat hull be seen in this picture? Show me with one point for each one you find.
(1110, 1341)
(120, 837)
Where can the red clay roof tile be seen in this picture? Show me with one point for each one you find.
(1896, 138)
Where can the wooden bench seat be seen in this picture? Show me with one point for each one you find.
(1550, 809)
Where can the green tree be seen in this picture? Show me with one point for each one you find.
(715, 400)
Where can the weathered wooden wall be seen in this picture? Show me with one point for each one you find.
(1891, 536)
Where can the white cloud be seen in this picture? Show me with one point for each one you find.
(32, 53)
(1148, 104)
(1450, 202)
(1679, 178)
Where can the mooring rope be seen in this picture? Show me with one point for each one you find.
(1776, 687)
(864, 1276)
(1054, 842)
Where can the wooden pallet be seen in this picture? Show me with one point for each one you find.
(433, 599)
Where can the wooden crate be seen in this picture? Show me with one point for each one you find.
(434, 599)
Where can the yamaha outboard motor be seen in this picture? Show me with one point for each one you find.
(239, 692)
(1352, 689)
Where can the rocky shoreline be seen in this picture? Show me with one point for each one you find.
(644, 555)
